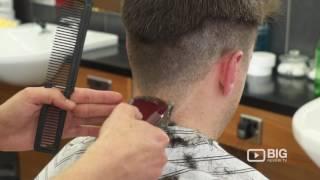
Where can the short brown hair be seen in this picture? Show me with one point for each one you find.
(171, 42)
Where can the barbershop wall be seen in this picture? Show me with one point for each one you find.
(302, 18)
(305, 25)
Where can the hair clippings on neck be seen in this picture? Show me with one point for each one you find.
(154, 110)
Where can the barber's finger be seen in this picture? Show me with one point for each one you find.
(127, 110)
(51, 96)
(82, 131)
(89, 96)
(92, 110)
(90, 121)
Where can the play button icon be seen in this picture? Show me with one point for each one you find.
(256, 155)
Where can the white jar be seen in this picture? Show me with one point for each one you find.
(293, 64)
(262, 64)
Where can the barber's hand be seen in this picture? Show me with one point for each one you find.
(127, 148)
(19, 115)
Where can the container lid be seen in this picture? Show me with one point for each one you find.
(294, 56)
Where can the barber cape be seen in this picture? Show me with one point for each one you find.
(191, 156)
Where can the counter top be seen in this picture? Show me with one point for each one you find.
(276, 94)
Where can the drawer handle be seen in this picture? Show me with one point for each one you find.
(99, 83)
(250, 128)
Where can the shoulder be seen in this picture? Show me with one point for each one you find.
(67, 156)
(74, 149)
(198, 158)
(78, 144)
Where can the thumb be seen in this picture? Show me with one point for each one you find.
(123, 113)
(128, 110)
(50, 96)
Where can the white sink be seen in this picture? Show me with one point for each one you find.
(306, 129)
(25, 52)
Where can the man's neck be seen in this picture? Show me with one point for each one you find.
(200, 110)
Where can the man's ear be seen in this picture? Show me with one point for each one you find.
(229, 66)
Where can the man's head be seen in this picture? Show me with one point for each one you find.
(174, 45)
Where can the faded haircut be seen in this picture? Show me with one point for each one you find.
(172, 43)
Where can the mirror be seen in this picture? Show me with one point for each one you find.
(107, 5)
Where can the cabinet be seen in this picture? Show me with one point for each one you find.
(276, 134)
(120, 84)
(7, 91)
(110, 5)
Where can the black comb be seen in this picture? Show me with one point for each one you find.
(73, 21)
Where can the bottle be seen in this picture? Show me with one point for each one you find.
(317, 80)
(263, 39)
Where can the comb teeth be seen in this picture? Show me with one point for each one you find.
(65, 41)
(51, 127)
(63, 68)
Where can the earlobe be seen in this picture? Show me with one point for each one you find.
(230, 63)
